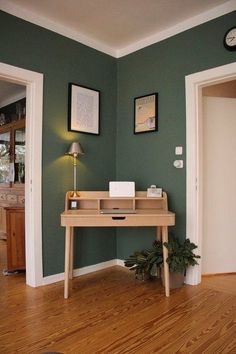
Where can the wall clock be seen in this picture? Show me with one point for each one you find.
(230, 39)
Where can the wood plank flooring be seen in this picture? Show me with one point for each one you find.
(109, 312)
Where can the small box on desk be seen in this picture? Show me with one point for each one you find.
(122, 189)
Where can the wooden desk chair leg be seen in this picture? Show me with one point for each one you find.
(67, 260)
(165, 256)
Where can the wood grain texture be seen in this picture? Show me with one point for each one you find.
(110, 312)
(15, 238)
(3, 255)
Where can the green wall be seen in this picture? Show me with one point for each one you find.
(117, 153)
(148, 158)
(63, 60)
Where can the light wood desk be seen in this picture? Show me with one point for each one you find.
(146, 212)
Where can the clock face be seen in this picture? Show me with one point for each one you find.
(230, 39)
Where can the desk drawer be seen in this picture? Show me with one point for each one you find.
(118, 220)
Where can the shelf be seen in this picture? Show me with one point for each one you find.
(98, 200)
(117, 203)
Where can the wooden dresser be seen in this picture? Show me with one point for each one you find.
(15, 228)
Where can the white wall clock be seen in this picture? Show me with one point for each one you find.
(230, 39)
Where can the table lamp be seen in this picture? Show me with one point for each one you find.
(75, 149)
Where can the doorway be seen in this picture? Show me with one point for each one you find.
(12, 176)
(194, 218)
(219, 178)
(33, 160)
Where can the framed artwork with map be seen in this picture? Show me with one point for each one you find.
(83, 114)
(145, 113)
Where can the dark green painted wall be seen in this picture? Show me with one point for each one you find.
(148, 158)
(117, 153)
(62, 60)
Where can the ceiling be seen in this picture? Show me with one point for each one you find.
(118, 27)
(10, 92)
(225, 89)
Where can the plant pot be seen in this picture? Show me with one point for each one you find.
(142, 276)
(176, 280)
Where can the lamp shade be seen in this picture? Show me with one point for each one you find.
(75, 149)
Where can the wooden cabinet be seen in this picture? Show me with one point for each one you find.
(12, 154)
(2, 223)
(12, 168)
(15, 223)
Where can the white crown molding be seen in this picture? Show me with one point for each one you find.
(220, 10)
(180, 27)
(13, 98)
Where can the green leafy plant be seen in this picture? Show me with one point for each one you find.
(180, 255)
(148, 262)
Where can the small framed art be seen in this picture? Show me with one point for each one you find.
(145, 113)
(83, 115)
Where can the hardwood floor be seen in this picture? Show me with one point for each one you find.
(110, 312)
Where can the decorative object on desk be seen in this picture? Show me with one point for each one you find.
(150, 261)
(75, 150)
(121, 189)
(145, 113)
(153, 191)
(83, 115)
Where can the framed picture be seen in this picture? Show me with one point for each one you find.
(83, 109)
(145, 113)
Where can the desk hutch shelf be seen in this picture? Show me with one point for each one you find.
(101, 200)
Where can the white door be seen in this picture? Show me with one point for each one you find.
(219, 185)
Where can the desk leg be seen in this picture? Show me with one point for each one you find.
(159, 232)
(71, 253)
(165, 256)
(67, 261)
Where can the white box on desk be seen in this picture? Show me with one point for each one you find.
(122, 189)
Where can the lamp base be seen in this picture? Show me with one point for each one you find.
(74, 194)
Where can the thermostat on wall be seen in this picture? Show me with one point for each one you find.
(122, 189)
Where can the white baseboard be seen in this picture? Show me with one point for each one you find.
(120, 262)
(82, 271)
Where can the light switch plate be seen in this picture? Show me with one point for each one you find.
(178, 163)
(178, 150)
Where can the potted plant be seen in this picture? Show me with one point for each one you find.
(180, 257)
(148, 263)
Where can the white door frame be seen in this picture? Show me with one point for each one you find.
(193, 91)
(33, 174)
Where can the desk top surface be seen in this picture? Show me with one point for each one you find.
(97, 213)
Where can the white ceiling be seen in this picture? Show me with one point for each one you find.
(118, 27)
(10, 92)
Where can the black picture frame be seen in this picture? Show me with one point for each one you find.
(146, 113)
(83, 109)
